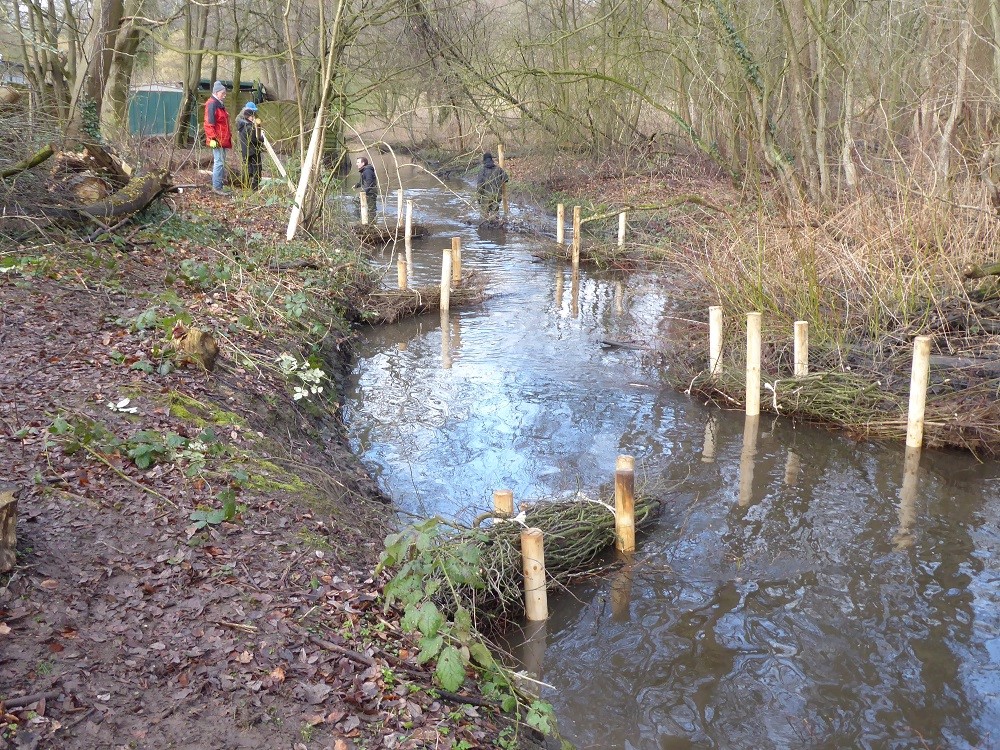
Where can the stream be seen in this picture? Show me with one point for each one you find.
(800, 590)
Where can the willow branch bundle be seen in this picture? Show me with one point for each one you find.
(381, 234)
(576, 532)
(391, 305)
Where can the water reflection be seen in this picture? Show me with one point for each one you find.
(819, 609)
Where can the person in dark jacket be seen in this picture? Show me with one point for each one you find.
(218, 136)
(369, 184)
(489, 186)
(251, 142)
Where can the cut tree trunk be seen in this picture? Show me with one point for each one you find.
(135, 196)
(8, 526)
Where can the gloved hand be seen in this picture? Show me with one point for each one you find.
(213, 143)
(357, 186)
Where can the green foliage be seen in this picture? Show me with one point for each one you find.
(148, 447)
(202, 276)
(227, 512)
(296, 304)
(430, 571)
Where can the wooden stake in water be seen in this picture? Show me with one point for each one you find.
(399, 208)
(536, 605)
(621, 589)
(801, 348)
(364, 208)
(503, 188)
(533, 649)
(456, 260)
(753, 364)
(408, 234)
(446, 279)
(576, 235)
(621, 229)
(715, 341)
(919, 375)
(625, 504)
(561, 224)
(503, 502)
(401, 272)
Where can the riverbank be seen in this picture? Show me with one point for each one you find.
(196, 546)
(869, 274)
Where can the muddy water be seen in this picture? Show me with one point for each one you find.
(801, 589)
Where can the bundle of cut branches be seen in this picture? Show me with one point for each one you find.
(576, 532)
(391, 305)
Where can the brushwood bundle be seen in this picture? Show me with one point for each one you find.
(576, 532)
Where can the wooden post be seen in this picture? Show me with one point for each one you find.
(401, 272)
(753, 364)
(559, 289)
(919, 375)
(503, 502)
(576, 235)
(446, 279)
(8, 526)
(533, 649)
(801, 348)
(364, 207)
(408, 235)
(621, 229)
(503, 188)
(399, 208)
(536, 605)
(715, 340)
(561, 224)
(625, 504)
(456, 260)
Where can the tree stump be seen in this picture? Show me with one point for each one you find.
(8, 526)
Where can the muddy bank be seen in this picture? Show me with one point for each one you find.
(196, 548)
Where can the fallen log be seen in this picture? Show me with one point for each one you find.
(135, 196)
(25, 164)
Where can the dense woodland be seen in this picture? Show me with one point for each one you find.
(823, 96)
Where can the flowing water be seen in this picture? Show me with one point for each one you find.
(802, 590)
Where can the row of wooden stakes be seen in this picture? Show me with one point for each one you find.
(919, 374)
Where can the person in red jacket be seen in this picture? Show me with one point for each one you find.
(218, 135)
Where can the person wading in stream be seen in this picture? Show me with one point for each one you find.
(369, 184)
(489, 187)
